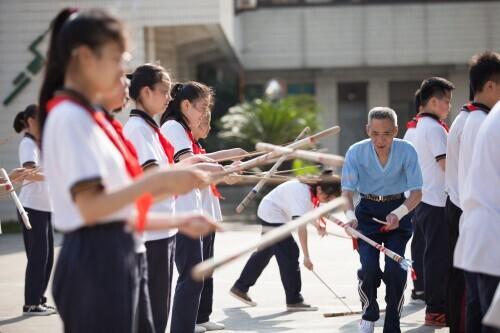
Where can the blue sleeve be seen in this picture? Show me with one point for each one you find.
(412, 169)
(350, 176)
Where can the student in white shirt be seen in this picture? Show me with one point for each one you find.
(284, 203)
(94, 177)
(211, 206)
(190, 102)
(477, 177)
(477, 251)
(34, 196)
(430, 144)
(150, 91)
(456, 283)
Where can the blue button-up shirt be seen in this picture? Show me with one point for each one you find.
(363, 173)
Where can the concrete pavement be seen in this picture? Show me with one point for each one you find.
(333, 258)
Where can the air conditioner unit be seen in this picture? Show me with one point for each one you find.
(246, 4)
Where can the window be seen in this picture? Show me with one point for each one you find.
(401, 100)
(300, 88)
(352, 99)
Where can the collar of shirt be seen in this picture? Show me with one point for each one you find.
(436, 118)
(146, 117)
(475, 106)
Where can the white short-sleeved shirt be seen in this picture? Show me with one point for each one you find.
(176, 134)
(410, 135)
(478, 249)
(75, 150)
(430, 143)
(211, 204)
(452, 156)
(286, 201)
(467, 146)
(149, 151)
(34, 195)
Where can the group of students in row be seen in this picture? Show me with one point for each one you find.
(455, 225)
(131, 200)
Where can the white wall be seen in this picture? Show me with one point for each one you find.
(376, 35)
(21, 21)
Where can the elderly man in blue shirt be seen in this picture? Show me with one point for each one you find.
(381, 169)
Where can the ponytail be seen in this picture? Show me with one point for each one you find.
(21, 119)
(55, 66)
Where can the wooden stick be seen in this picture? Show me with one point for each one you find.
(256, 189)
(260, 173)
(405, 264)
(20, 208)
(270, 156)
(327, 159)
(333, 292)
(240, 157)
(207, 267)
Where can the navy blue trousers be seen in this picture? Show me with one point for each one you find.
(431, 222)
(95, 279)
(456, 280)
(480, 291)
(206, 300)
(370, 275)
(188, 253)
(287, 255)
(143, 320)
(161, 256)
(39, 246)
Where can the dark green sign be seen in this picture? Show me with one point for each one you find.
(23, 78)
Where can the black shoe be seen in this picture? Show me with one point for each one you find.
(417, 297)
(301, 306)
(37, 310)
(242, 296)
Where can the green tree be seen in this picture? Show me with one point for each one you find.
(262, 120)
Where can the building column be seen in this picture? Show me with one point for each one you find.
(460, 79)
(326, 97)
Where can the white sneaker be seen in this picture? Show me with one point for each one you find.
(211, 326)
(199, 329)
(366, 326)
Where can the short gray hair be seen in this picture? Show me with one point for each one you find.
(383, 112)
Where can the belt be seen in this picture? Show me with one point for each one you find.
(382, 198)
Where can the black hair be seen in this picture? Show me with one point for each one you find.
(20, 121)
(190, 91)
(146, 75)
(71, 29)
(328, 182)
(483, 67)
(417, 101)
(434, 87)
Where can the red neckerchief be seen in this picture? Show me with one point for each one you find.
(412, 123)
(475, 106)
(114, 131)
(197, 149)
(430, 115)
(168, 149)
(314, 198)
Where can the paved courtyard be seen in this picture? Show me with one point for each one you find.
(332, 256)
